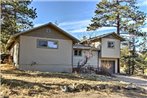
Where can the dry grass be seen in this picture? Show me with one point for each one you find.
(6, 67)
(28, 84)
(142, 76)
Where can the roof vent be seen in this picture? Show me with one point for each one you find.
(48, 30)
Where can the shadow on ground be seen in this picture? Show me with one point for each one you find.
(70, 76)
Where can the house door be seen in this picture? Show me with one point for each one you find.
(108, 65)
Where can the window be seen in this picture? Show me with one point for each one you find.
(47, 44)
(77, 52)
(110, 44)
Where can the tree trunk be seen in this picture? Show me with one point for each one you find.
(118, 21)
(129, 69)
(118, 25)
(133, 68)
(143, 70)
(133, 55)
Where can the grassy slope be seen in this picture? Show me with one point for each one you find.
(27, 84)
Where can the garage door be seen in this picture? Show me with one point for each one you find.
(108, 65)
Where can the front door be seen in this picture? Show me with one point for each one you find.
(108, 65)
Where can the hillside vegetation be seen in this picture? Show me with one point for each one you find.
(33, 84)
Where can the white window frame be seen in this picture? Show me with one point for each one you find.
(79, 52)
(111, 43)
(47, 47)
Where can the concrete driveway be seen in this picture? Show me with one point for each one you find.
(131, 79)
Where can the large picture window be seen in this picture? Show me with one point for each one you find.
(47, 44)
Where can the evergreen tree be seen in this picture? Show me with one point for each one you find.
(125, 16)
(141, 61)
(125, 59)
(16, 17)
(130, 57)
(122, 14)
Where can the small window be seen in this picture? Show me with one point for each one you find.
(77, 52)
(111, 44)
(47, 44)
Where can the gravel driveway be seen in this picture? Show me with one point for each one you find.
(131, 79)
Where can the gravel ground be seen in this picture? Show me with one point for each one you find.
(132, 79)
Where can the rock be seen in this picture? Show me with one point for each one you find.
(73, 87)
(82, 87)
(98, 87)
(70, 88)
(131, 87)
(64, 88)
(102, 86)
(115, 88)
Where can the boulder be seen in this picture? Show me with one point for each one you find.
(131, 86)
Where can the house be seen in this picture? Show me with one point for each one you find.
(49, 48)
(44, 48)
(79, 53)
(108, 51)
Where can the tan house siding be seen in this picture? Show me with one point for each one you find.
(46, 59)
(15, 53)
(110, 52)
(47, 32)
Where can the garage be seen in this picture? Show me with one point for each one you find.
(108, 65)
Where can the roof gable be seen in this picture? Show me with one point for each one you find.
(113, 36)
(47, 32)
(108, 35)
(62, 34)
(49, 25)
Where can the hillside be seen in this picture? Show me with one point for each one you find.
(27, 84)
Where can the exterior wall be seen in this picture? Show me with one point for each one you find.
(58, 60)
(47, 32)
(110, 52)
(15, 53)
(93, 61)
(116, 63)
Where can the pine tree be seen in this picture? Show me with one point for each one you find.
(125, 16)
(125, 59)
(130, 57)
(141, 61)
(122, 14)
(17, 16)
